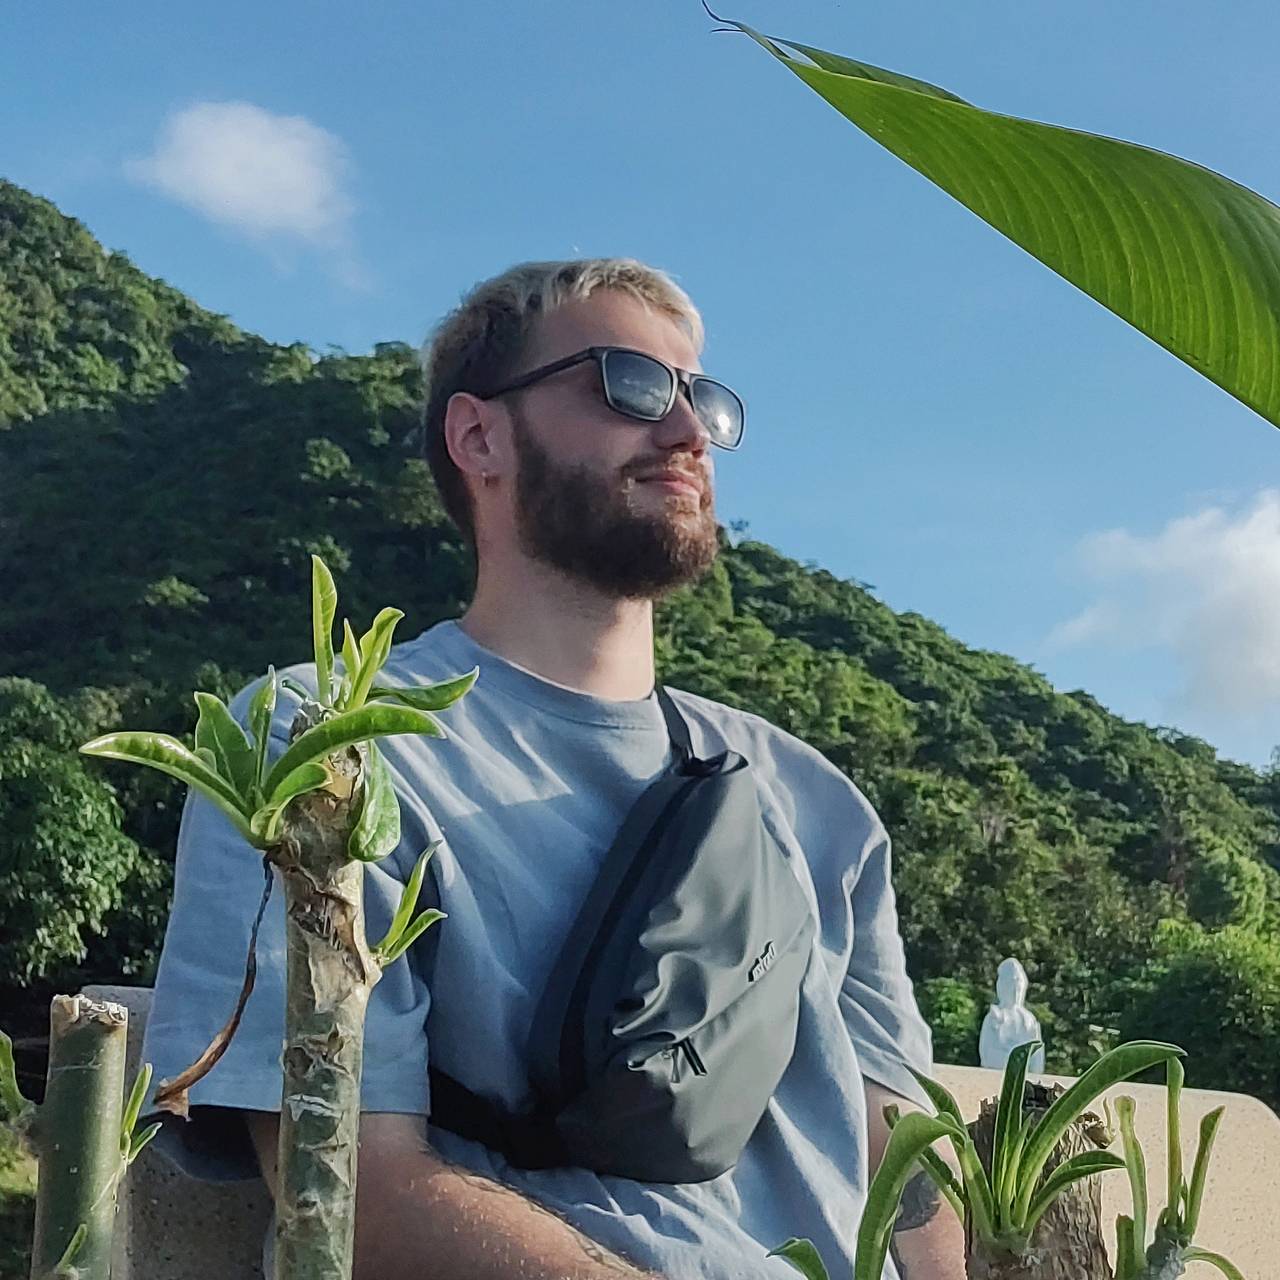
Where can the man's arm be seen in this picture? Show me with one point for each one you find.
(928, 1238)
(419, 1217)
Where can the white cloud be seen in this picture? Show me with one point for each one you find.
(1206, 587)
(277, 179)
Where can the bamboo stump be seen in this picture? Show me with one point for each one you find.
(77, 1137)
(1068, 1242)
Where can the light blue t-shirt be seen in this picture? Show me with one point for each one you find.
(526, 794)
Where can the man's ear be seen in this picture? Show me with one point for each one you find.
(477, 434)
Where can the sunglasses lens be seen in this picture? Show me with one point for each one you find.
(637, 385)
(719, 410)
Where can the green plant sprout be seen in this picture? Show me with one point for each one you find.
(1002, 1204)
(318, 812)
(1171, 1247)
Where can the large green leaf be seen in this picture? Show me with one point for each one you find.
(911, 1135)
(979, 1194)
(376, 830)
(378, 720)
(160, 751)
(218, 732)
(429, 697)
(1121, 1063)
(1187, 256)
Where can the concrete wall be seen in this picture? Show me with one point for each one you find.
(175, 1228)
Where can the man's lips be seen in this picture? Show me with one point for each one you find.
(675, 481)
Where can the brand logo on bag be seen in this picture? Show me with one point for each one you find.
(763, 961)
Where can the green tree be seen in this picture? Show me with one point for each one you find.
(63, 858)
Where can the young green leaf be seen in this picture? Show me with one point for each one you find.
(233, 756)
(430, 697)
(1006, 1192)
(261, 708)
(296, 688)
(1136, 1164)
(159, 751)
(324, 606)
(803, 1256)
(1120, 1063)
(378, 720)
(376, 830)
(1084, 1165)
(1127, 1260)
(133, 1108)
(1174, 1078)
(409, 897)
(387, 953)
(1009, 1117)
(1199, 1172)
(375, 646)
(140, 1140)
(64, 1268)
(350, 665)
(912, 1134)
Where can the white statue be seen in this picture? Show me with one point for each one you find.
(1009, 1022)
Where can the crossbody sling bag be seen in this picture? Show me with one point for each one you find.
(670, 1014)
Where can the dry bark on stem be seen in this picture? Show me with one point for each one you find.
(1068, 1242)
(77, 1137)
(330, 973)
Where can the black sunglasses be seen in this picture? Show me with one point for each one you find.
(642, 386)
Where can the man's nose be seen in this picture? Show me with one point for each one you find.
(682, 428)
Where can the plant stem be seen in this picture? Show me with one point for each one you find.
(330, 972)
(77, 1136)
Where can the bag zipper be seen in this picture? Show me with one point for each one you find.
(692, 1057)
(573, 1063)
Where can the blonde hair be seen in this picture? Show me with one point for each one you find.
(479, 345)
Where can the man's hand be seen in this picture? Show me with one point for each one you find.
(419, 1217)
(928, 1238)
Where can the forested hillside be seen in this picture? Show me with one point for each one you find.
(164, 478)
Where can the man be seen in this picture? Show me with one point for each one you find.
(570, 435)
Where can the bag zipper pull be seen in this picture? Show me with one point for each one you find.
(691, 1056)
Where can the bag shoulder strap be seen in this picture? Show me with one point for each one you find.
(677, 728)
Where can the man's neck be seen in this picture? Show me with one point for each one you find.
(564, 631)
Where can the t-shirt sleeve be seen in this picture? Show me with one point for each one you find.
(876, 996)
(218, 884)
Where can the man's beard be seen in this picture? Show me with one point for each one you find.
(568, 517)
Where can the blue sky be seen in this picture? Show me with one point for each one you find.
(931, 411)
